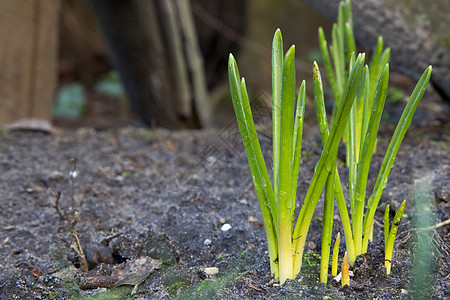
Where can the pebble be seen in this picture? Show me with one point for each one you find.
(211, 270)
(56, 176)
(225, 227)
(251, 219)
(119, 179)
(243, 201)
(207, 242)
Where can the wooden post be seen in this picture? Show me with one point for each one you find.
(28, 58)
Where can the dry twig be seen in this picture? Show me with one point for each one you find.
(57, 196)
(76, 243)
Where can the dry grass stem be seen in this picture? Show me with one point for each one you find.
(76, 243)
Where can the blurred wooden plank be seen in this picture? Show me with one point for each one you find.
(28, 58)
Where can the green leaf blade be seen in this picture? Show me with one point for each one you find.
(326, 160)
(394, 145)
(255, 159)
(277, 85)
(298, 137)
(285, 203)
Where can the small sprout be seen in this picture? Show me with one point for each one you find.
(345, 271)
(125, 173)
(389, 235)
(371, 231)
(108, 232)
(386, 226)
(334, 261)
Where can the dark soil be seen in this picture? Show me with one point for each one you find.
(166, 195)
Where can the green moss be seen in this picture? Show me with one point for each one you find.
(176, 285)
(311, 260)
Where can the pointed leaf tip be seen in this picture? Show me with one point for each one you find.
(291, 51)
(277, 35)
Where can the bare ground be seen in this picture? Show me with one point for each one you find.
(166, 195)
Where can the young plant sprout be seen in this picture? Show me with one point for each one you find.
(360, 93)
(345, 271)
(357, 231)
(389, 235)
(362, 127)
(277, 200)
(337, 68)
(335, 258)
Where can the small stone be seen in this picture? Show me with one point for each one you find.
(251, 219)
(225, 227)
(56, 176)
(207, 242)
(243, 201)
(119, 179)
(403, 291)
(222, 220)
(211, 271)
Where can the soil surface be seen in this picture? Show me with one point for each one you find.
(158, 202)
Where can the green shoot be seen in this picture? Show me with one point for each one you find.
(277, 198)
(389, 235)
(337, 67)
(360, 93)
(330, 184)
(362, 127)
(391, 153)
(327, 162)
(319, 104)
(334, 261)
(284, 196)
(386, 226)
(327, 226)
(358, 232)
(260, 176)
